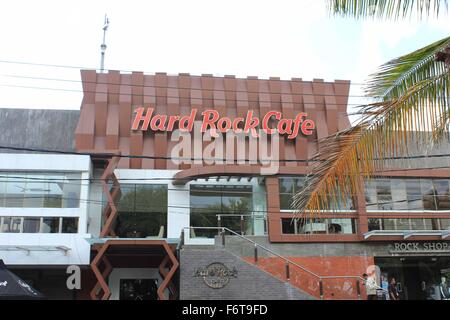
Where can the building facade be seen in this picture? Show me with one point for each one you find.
(151, 203)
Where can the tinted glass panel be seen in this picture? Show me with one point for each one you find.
(288, 226)
(50, 225)
(40, 190)
(142, 211)
(209, 201)
(31, 224)
(69, 225)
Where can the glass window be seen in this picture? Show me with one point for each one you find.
(371, 195)
(312, 226)
(399, 197)
(407, 194)
(442, 194)
(15, 191)
(318, 226)
(341, 226)
(286, 185)
(374, 224)
(414, 194)
(388, 224)
(50, 225)
(419, 224)
(230, 202)
(286, 201)
(11, 224)
(39, 225)
(403, 224)
(445, 224)
(40, 190)
(384, 195)
(288, 226)
(409, 224)
(428, 194)
(142, 211)
(69, 225)
(31, 224)
(290, 186)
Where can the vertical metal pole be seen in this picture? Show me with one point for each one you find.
(358, 289)
(321, 288)
(256, 253)
(242, 225)
(219, 222)
(288, 276)
(223, 237)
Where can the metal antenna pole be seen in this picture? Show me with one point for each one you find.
(103, 45)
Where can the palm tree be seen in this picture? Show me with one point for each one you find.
(410, 93)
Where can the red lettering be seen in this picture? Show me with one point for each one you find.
(158, 123)
(265, 122)
(285, 126)
(209, 121)
(251, 123)
(171, 124)
(307, 127)
(140, 117)
(298, 119)
(236, 122)
(187, 122)
(224, 124)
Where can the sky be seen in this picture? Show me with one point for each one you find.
(261, 38)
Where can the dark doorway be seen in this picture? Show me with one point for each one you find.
(138, 289)
(418, 278)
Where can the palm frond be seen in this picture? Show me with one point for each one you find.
(385, 130)
(387, 9)
(395, 77)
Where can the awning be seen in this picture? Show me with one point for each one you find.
(442, 234)
(30, 248)
(14, 288)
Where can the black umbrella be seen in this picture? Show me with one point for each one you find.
(12, 287)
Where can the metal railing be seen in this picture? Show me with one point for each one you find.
(244, 219)
(289, 264)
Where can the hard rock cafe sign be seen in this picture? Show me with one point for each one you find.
(271, 123)
(216, 275)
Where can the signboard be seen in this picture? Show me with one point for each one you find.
(216, 275)
(420, 247)
(271, 123)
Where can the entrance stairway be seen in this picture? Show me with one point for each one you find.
(250, 282)
(245, 252)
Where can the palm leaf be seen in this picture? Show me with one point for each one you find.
(395, 77)
(387, 9)
(385, 130)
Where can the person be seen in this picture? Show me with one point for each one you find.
(393, 292)
(423, 290)
(384, 286)
(443, 288)
(371, 287)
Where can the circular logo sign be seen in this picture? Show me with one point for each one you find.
(216, 275)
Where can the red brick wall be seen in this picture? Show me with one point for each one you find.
(324, 266)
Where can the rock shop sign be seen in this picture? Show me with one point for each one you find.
(216, 275)
(419, 247)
